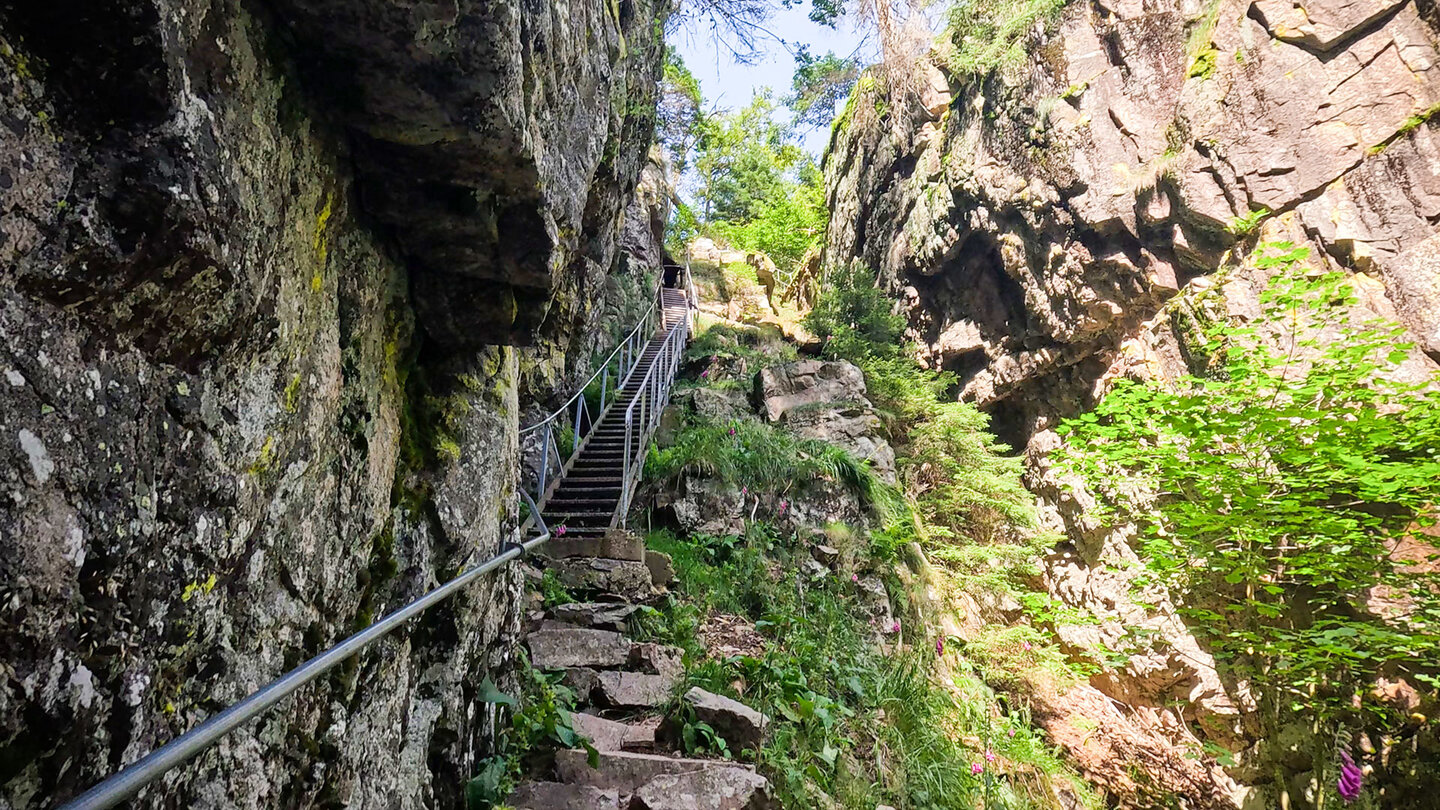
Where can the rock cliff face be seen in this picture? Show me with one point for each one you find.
(258, 264)
(1034, 222)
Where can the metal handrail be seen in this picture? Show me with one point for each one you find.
(654, 393)
(628, 351)
(563, 409)
(152, 766)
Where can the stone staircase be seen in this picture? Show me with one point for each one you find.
(624, 689)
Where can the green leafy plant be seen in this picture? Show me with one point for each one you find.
(539, 722)
(1281, 494)
(1246, 224)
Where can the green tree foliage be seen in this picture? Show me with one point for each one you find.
(784, 226)
(1280, 492)
(679, 112)
(820, 84)
(854, 318)
(962, 482)
(742, 160)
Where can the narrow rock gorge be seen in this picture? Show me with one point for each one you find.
(278, 281)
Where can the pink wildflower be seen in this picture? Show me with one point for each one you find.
(989, 755)
(732, 431)
(744, 490)
(783, 506)
(1351, 778)
(1011, 732)
(977, 769)
(854, 577)
(1025, 645)
(704, 374)
(560, 530)
(940, 646)
(895, 628)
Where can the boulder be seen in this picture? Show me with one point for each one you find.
(632, 690)
(785, 387)
(741, 726)
(713, 788)
(577, 647)
(583, 681)
(657, 659)
(627, 772)
(557, 796)
(721, 404)
(608, 735)
(855, 427)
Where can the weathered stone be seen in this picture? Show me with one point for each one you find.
(657, 659)
(713, 788)
(558, 796)
(577, 647)
(721, 404)
(662, 568)
(741, 726)
(605, 735)
(628, 772)
(616, 544)
(583, 681)
(1040, 261)
(595, 615)
(626, 578)
(785, 387)
(632, 690)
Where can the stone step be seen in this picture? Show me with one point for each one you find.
(741, 726)
(612, 735)
(632, 690)
(614, 544)
(627, 772)
(595, 615)
(559, 796)
(626, 579)
(711, 788)
(578, 647)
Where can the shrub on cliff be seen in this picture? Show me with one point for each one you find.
(1283, 499)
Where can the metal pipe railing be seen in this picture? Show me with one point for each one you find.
(654, 393)
(577, 409)
(129, 781)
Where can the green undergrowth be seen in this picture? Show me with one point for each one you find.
(855, 724)
(539, 713)
(766, 459)
(738, 349)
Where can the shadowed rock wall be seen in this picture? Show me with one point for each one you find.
(251, 259)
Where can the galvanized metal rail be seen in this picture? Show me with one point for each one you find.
(132, 779)
(655, 358)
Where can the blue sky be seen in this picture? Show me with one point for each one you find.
(728, 85)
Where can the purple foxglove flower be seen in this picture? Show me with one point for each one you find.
(977, 769)
(940, 646)
(560, 530)
(1351, 778)
(989, 755)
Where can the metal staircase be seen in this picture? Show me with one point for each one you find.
(591, 489)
